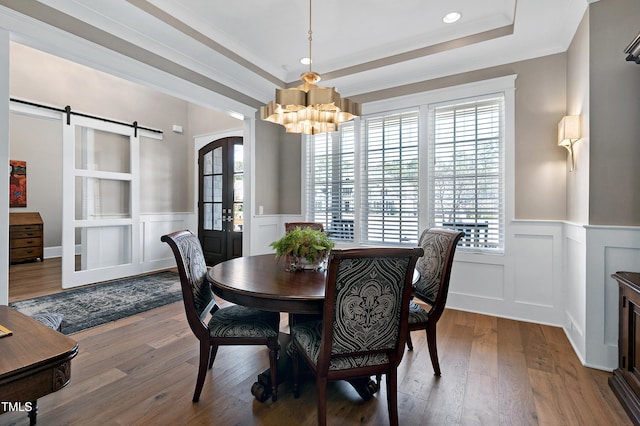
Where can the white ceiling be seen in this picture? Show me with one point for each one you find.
(359, 46)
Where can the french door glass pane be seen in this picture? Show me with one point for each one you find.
(238, 158)
(217, 160)
(217, 217)
(237, 217)
(208, 217)
(207, 190)
(217, 188)
(238, 195)
(208, 163)
(238, 187)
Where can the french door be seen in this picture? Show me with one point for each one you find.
(221, 199)
(101, 193)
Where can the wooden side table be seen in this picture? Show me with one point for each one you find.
(625, 381)
(35, 361)
(26, 239)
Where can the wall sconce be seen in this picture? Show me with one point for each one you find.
(568, 134)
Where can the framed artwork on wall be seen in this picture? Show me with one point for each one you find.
(18, 183)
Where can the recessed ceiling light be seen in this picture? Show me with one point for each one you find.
(451, 17)
(305, 61)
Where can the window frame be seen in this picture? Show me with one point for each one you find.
(475, 233)
(501, 85)
(346, 233)
(365, 176)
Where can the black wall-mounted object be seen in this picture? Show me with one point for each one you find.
(633, 50)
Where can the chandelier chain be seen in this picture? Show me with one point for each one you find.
(310, 37)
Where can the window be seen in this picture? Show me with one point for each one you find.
(466, 170)
(390, 179)
(330, 181)
(442, 158)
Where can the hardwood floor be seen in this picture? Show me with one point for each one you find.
(141, 370)
(33, 279)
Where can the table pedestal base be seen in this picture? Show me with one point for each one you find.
(261, 390)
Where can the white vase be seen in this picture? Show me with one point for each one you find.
(302, 264)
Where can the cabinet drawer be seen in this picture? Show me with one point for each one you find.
(25, 228)
(25, 234)
(25, 242)
(24, 253)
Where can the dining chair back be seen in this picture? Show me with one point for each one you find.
(211, 324)
(364, 324)
(313, 225)
(439, 247)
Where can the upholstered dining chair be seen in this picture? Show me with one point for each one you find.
(232, 325)
(364, 324)
(439, 246)
(293, 225)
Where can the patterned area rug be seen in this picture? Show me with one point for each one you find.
(98, 304)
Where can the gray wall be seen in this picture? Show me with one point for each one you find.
(166, 166)
(540, 165)
(267, 168)
(578, 96)
(38, 142)
(615, 115)
(289, 148)
(278, 170)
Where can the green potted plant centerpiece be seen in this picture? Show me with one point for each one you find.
(304, 248)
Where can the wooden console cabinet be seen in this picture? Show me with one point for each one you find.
(25, 237)
(625, 381)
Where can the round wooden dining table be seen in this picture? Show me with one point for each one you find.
(263, 282)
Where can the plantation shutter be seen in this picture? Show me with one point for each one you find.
(466, 171)
(390, 179)
(330, 181)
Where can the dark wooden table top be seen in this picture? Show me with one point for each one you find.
(31, 343)
(35, 358)
(262, 282)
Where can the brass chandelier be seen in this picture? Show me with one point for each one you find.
(308, 108)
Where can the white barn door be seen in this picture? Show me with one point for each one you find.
(101, 195)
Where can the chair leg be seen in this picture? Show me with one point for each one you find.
(205, 350)
(212, 355)
(296, 369)
(409, 342)
(274, 347)
(433, 348)
(321, 386)
(392, 396)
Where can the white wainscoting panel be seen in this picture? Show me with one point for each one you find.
(554, 273)
(616, 259)
(574, 289)
(471, 278)
(156, 254)
(524, 283)
(534, 270)
(267, 229)
(609, 249)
